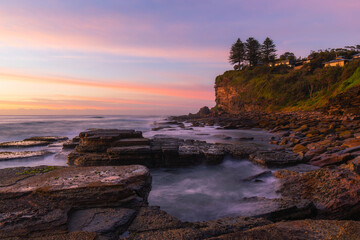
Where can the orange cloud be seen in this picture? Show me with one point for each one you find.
(115, 85)
(9, 105)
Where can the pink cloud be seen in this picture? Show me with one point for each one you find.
(117, 35)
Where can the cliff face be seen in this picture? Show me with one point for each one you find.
(228, 99)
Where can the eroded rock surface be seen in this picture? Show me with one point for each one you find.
(21, 155)
(37, 202)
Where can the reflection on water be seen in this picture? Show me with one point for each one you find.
(210, 192)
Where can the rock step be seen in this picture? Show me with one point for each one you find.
(125, 142)
(105, 148)
(21, 155)
(40, 201)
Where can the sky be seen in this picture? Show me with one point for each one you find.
(141, 57)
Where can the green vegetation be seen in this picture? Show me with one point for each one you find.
(283, 88)
(37, 170)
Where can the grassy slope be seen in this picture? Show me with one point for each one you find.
(288, 90)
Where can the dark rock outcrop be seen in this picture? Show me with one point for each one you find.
(126, 147)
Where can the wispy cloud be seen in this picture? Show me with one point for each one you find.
(114, 85)
(116, 35)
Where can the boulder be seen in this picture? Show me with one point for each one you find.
(326, 159)
(275, 158)
(334, 190)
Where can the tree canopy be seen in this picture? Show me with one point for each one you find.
(253, 53)
(288, 56)
(237, 53)
(268, 51)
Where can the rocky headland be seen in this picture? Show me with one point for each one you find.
(103, 193)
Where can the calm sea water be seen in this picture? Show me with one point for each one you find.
(191, 194)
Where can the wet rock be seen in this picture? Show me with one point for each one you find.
(152, 218)
(37, 202)
(32, 142)
(71, 144)
(240, 151)
(130, 155)
(330, 159)
(282, 209)
(275, 158)
(106, 222)
(22, 144)
(204, 111)
(21, 155)
(257, 176)
(245, 139)
(202, 230)
(300, 230)
(47, 138)
(117, 147)
(302, 168)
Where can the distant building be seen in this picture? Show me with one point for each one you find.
(308, 60)
(289, 63)
(356, 56)
(339, 61)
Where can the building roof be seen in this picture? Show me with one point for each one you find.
(337, 60)
(356, 55)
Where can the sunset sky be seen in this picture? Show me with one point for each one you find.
(146, 56)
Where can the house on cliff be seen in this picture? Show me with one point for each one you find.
(356, 56)
(339, 61)
(289, 63)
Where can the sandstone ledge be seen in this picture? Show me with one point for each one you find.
(36, 202)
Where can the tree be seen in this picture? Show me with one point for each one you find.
(288, 56)
(252, 48)
(237, 53)
(268, 51)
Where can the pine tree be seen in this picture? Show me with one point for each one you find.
(252, 48)
(268, 51)
(237, 53)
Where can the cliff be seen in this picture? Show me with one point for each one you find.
(263, 89)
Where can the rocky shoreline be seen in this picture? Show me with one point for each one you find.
(103, 194)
